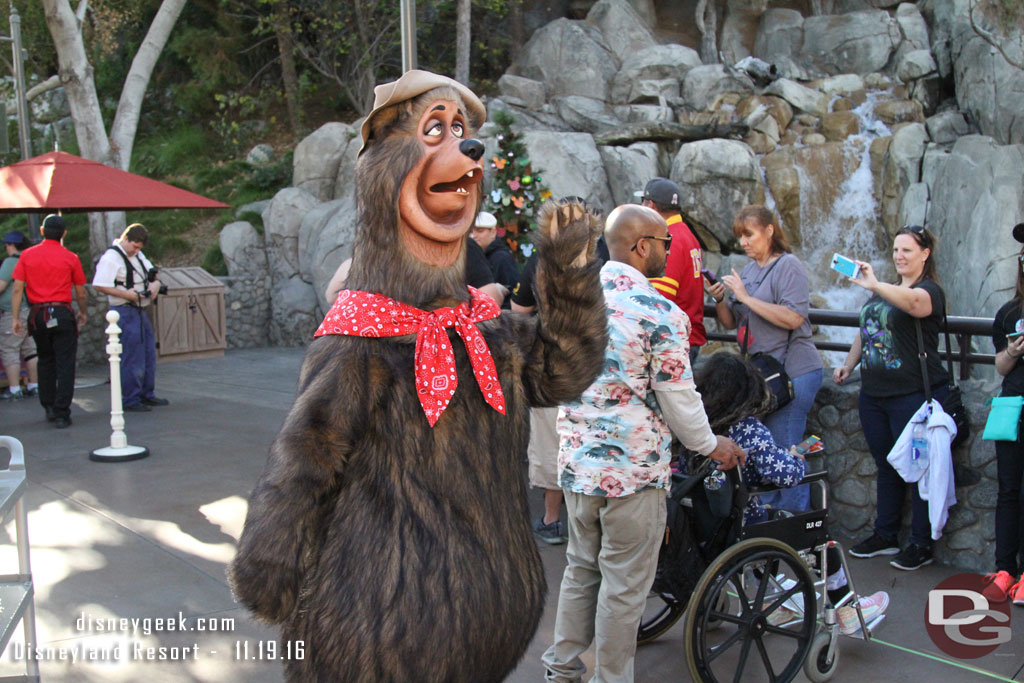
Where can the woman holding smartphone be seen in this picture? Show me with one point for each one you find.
(892, 387)
(769, 302)
(1007, 337)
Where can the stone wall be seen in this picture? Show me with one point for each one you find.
(968, 541)
(247, 308)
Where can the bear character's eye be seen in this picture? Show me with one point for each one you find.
(457, 129)
(436, 129)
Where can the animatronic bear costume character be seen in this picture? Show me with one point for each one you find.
(390, 530)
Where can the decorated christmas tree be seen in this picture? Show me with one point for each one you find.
(517, 191)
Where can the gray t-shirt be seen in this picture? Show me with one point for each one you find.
(784, 282)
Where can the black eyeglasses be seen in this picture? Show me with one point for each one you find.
(666, 240)
(914, 228)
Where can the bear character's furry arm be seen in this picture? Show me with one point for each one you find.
(570, 332)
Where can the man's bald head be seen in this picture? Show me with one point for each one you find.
(627, 224)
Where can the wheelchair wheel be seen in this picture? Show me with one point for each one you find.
(817, 668)
(661, 614)
(749, 640)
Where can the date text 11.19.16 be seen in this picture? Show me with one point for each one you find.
(269, 650)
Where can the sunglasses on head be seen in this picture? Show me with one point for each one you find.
(667, 240)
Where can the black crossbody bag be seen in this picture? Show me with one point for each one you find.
(953, 404)
(773, 371)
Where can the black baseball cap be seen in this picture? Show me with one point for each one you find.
(1018, 232)
(661, 191)
(14, 237)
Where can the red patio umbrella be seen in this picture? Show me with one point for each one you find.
(58, 181)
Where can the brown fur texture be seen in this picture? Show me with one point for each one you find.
(398, 552)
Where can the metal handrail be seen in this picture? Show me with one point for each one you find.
(961, 327)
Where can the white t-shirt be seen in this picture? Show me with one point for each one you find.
(111, 272)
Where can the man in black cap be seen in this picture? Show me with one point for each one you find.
(682, 282)
(15, 348)
(47, 273)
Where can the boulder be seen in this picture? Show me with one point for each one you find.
(842, 84)
(524, 92)
(989, 79)
(837, 126)
(891, 112)
(780, 37)
(293, 313)
(655, 63)
(858, 42)
(345, 182)
(258, 207)
(281, 223)
(570, 57)
(913, 27)
(801, 97)
(570, 164)
(326, 238)
(915, 64)
(914, 205)
(260, 154)
(717, 177)
(977, 195)
(584, 113)
(317, 156)
(629, 168)
(739, 29)
(776, 107)
(244, 252)
(702, 85)
(625, 31)
(543, 119)
(901, 168)
(640, 113)
(946, 126)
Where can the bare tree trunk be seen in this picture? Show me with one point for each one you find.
(76, 75)
(289, 76)
(706, 16)
(462, 39)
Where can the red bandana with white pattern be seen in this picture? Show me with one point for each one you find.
(364, 314)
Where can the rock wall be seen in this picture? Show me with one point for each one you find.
(968, 540)
(247, 311)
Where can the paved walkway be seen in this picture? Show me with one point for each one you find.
(151, 539)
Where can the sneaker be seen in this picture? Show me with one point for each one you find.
(29, 393)
(997, 585)
(62, 422)
(1016, 593)
(784, 615)
(549, 533)
(912, 557)
(137, 408)
(8, 395)
(154, 401)
(872, 607)
(876, 545)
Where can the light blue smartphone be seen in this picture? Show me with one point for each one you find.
(847, 267)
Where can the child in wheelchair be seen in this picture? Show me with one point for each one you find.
(735, 397)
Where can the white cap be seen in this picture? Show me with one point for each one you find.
(485, 220)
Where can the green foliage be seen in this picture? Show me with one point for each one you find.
(167, 151)
(233, 122)
(517, 192)
(213, 260)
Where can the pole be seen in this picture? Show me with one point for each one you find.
(119, 450)
(408, 28)
(18, 62)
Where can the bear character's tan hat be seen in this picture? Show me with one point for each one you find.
(417, 82)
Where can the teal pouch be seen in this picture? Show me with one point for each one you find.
(1004, 419)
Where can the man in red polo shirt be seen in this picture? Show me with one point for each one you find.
(46, 274)
(682, 283)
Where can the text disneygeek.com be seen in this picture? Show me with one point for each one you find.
(119, 642)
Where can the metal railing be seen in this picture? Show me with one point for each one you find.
(961, 328)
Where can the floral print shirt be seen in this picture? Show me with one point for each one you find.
(613, 441)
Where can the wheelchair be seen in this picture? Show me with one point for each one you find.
(729, 582)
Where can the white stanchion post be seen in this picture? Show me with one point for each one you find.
(119, 450)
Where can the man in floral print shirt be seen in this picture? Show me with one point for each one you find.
(614, 453)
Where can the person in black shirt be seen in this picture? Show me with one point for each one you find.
(892, 386)
(501, 261)
(1009, 320)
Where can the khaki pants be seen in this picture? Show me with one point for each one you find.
(13, 347)
(542, 452)
(612, 557)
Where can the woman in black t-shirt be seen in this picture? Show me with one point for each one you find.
(892, 386)
(1010, 454)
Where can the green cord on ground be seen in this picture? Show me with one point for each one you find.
(976, 670)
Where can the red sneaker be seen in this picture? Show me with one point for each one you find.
(997, 586)
(1016, 592)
